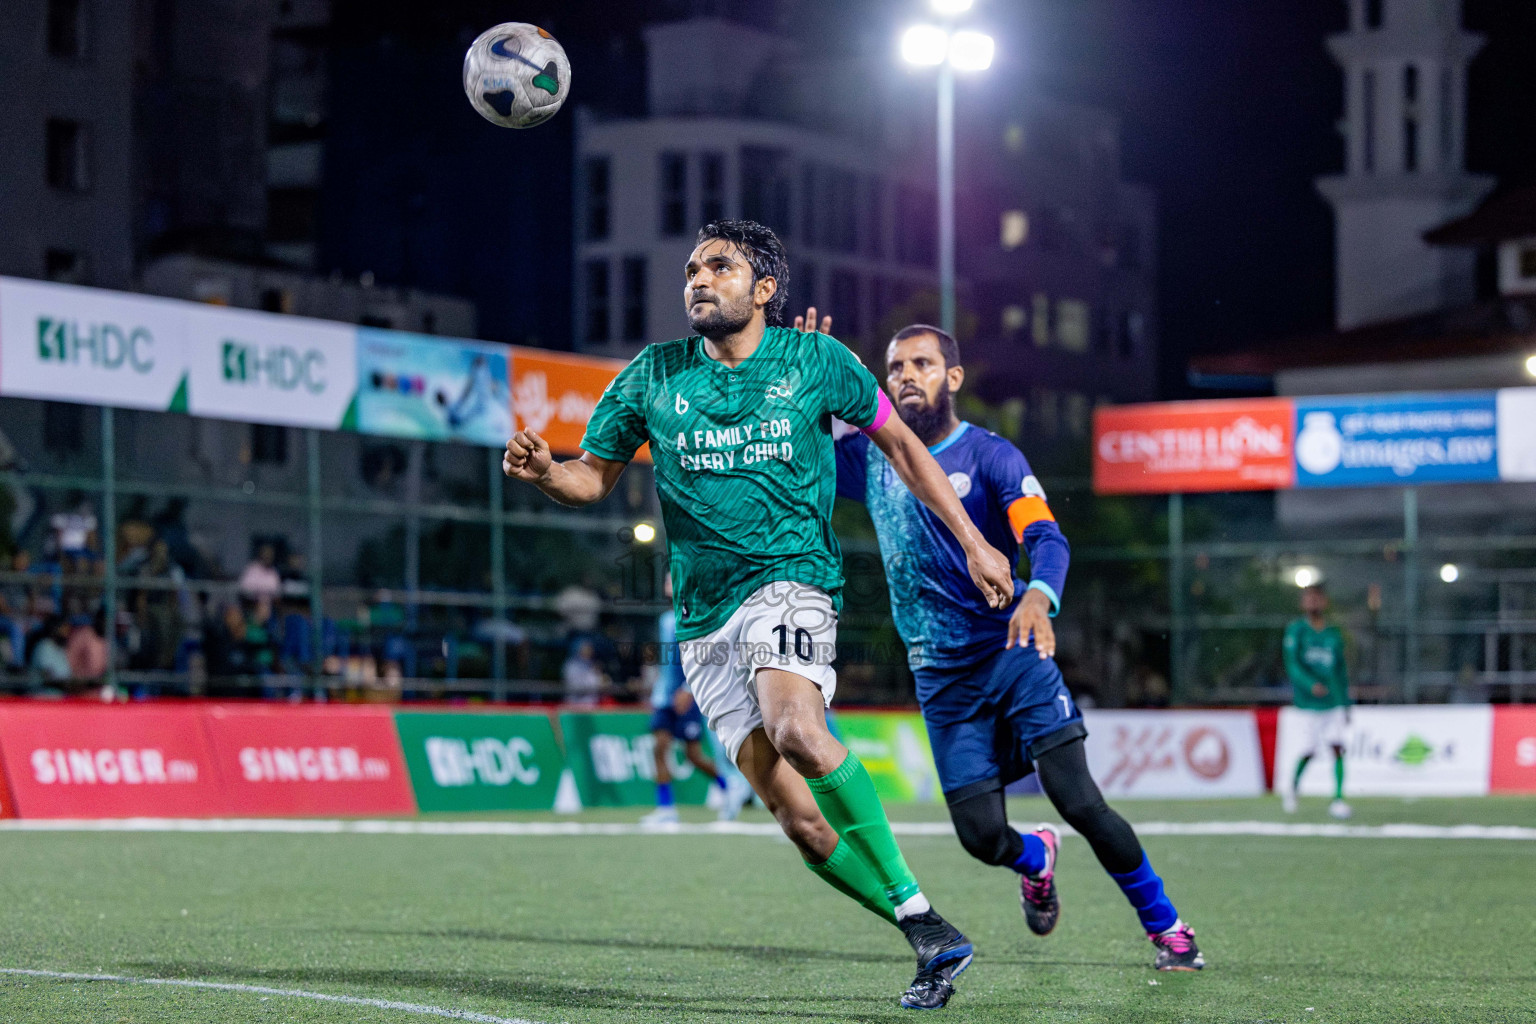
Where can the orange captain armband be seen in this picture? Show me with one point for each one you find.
(1027, 510)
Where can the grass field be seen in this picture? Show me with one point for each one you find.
(704, 928)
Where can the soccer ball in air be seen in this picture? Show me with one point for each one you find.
(516, 75)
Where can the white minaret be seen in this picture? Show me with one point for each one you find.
(1405, 84)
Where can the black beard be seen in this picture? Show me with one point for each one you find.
(929, 422)
(721, 321)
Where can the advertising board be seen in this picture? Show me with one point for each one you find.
(1238, 445)
(483, 761)
(1424, 750)
(1175, 753)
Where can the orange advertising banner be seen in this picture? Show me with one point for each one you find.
(1169, 447)
(554, 393)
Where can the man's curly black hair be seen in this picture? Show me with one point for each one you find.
(765, 254)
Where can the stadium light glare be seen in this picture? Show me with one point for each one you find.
(1449, 573)
(1530, 365)
(924, 45)
(1306, 575)
(950, 8)
(971, 51)
(645, 533)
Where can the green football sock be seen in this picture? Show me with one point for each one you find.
(1301, 766)
(848, 800)
(846, 872)
(1338, 778)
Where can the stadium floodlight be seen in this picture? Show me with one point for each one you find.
(1306, 575)
(924, 45)
(950, 8)
(1449, 573)
(1530, 365)
(645, 533)
(971, 51)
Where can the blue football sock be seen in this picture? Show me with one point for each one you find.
(1145, 891)
(663, 794)
(1032, 860)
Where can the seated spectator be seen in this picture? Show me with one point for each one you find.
(260, 579)
(86, 651)
(49, 659)
(74, 536)
(584, 678)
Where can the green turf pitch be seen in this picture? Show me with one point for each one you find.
(693, 929)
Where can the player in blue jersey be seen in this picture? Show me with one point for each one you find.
(675, 716)
(991, 694)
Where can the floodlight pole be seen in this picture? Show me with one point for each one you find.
(947, 197)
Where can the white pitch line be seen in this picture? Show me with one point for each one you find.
(285, 993)
(413, 827)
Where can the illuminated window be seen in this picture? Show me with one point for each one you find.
(1014, 319)
(1015, 229)
(1072, 324)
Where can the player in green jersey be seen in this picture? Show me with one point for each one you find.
(738, 418)
(1314, 659)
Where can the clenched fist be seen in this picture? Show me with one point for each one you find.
(527, 458)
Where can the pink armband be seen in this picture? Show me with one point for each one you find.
(882, 413)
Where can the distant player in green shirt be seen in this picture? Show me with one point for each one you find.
(1314, 659)
(738, 418)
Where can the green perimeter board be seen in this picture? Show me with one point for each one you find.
(610, 754)
(894, 748)
(481, 761)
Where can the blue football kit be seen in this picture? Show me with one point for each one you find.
(989, 711)
(688, 726)
(992, 711)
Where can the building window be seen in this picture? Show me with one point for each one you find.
(66, 28)
(269, 445)
(916, 213)
(1410, 84)
(805, 280)
(596, 193)
(1527, 262)
(809, 196)
(845, 304)
(874, 218)
(1128, 336)
(1014, 229)
(712, 190)
(64, 265)
(276, 300)
(674, 194)
(765, 180)
(1410, 144)
(1014, 319)
(597, 300)
(634, 298)
(1073, 323)
(292, 214)
(1368, 115)
(845, 210)
(1447, 112)
(63, 428)
(1040, 320)
(68, 155)
(1373, 13)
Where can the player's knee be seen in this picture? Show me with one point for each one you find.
(989, 842)
(798, 743)
(1084, 811)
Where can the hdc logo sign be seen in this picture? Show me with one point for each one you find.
(269, 368)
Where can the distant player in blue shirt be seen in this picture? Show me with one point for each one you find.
(992, 696)
(674, 716)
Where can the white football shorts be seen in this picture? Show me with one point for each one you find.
(1322, 729)
(783, 625)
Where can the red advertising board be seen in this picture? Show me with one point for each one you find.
(554, 393)
(78, 761)
(1163, 448)
(325, 759)
(1513, 766)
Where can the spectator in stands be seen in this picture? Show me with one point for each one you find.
(49, 660)
(584, 678)
(86, 651)
(260, 579)
(74, 536)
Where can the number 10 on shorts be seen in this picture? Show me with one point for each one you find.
(805, 648)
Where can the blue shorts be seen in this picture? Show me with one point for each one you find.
(988, 720)
(687, 727)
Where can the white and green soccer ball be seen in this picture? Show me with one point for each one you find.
(516, 75)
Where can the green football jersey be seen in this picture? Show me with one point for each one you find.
(1316, 656)
(744, 461)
